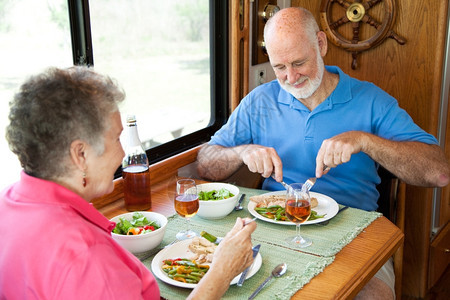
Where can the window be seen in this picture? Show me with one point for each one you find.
(170, 57)
(33, 36)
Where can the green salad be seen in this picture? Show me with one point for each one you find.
(138, 225)
(215, 195)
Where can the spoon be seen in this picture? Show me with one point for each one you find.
(278, 271)
(239, 205)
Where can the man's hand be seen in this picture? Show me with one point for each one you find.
(338, 150)
(263, 160)
(216, 162)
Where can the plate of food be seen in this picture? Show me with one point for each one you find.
(194, 256)
(269, 207)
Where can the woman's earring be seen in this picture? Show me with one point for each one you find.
(84, 179)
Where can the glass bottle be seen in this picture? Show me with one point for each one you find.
(135, 170)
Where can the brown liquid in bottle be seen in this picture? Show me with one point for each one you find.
(136, 188)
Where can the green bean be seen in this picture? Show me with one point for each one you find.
(261, 209)
(315, 216)
(274, 206)
(208, 236)
(278, 214)
(193, 277)
(186, 263)
(173, 271)
(168, 262)
(186, 276)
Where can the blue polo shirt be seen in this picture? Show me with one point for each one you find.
(271, 117)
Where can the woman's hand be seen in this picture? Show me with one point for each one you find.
(231, 257)
(235, 253)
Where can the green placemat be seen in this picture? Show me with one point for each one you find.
(301, 269)
(302, 265)
(327, 240)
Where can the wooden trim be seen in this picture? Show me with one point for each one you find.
(401, 202)
(159, 172)
(400, 223)
(350, 263)
(240, 53)
(439, 256)
(167, 168)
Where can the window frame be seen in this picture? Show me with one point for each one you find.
(219, 44)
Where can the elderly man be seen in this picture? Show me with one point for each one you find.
(314, 116)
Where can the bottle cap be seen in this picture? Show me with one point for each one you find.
(131, 120)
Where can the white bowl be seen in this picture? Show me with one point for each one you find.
(217, 209)
(142, 242)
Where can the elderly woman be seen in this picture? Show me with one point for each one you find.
(65, 128)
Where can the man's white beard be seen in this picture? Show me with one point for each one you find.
(313, 84)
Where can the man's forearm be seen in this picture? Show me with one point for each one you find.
(413, 162)
(217, 163)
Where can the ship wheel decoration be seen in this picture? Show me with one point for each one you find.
(357, 14)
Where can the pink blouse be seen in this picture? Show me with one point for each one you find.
(56, 245)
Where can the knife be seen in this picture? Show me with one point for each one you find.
(244, 273)
(239, 206)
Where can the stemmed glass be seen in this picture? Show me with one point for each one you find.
(186, 205)
(298, 210)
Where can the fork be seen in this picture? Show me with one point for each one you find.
(311, 181)
(171, 243)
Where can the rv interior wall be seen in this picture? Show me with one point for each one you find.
(255, 70)
(443, 129)
(417, 74)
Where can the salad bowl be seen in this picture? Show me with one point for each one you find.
(147, 240)
(222, 198)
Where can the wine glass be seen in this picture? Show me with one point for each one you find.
(298, 210)
(186, 205)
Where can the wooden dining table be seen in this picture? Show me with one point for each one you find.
(351, 269)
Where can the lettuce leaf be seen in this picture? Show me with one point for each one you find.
(215, 195)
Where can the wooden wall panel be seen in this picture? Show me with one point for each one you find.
(240, 50)
(411, 73)
(445, 195)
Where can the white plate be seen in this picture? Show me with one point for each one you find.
(326, 206)
(181, 250)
